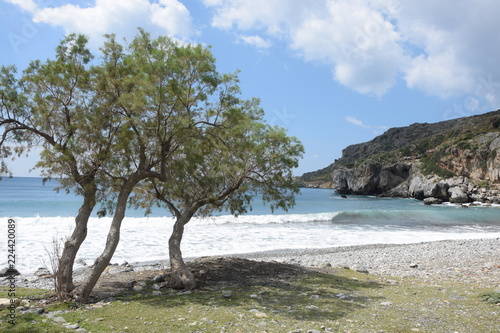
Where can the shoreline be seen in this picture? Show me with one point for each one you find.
(475, 261)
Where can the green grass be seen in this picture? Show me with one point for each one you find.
(28, 322)
(491, 297)
(339, 302)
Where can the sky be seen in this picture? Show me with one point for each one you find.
(332, 72)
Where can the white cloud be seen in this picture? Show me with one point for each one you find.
(443, 48)
(256, 41)
(441, 74)
(26, 5)
(168, 17)
(355, 121)
(246, 14)
(376, 130)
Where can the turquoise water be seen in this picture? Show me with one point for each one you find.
(29, 197)
(321, 218)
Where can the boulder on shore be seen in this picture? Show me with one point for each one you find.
(432, 201)
(458, 194)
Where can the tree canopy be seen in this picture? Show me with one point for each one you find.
(149, 122)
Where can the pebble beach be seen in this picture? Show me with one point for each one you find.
(469, 261)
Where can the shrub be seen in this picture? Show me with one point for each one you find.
(495, 122)
(430, 167)
(493, 297)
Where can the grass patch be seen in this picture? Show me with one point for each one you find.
(491, 297)
(335, 300)
(26, 293)
(30, 322)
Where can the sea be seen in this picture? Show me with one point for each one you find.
(320, 219)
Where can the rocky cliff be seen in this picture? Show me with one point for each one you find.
(456, 160)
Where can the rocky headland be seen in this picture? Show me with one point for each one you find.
(454, 161)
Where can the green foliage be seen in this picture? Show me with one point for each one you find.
(430, 167)
(227, 165)
(492, 297)
(495, 122)
(484, 184)
(493, 154)
(324, 174)
(153, 111)
(463, 142)
(224, 152)
(406, 151)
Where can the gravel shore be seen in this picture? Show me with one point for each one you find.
(470, 261)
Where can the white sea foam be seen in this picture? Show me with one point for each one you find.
(320, 219)
(145, 239)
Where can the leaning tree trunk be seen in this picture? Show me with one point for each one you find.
(181, 278)
(64, 275)
(82, 292)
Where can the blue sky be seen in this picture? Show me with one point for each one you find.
(333, 72)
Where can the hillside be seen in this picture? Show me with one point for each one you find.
(408, 161)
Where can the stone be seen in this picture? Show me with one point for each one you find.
(489, 265)
(37, 311)
(312, 307)
(58, 320)
(258, 313)
(432, 201)
(159, 278)
(156, 293)
(6, 302)
(120, 269)
(458, 194)
(73, 326)
(130, 284)
(81, 262)
(324, 264)
(42, 272)
(342, 296)
(360, 269)
(8, 272)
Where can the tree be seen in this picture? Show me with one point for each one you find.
(53, 106)
(166, 95)
(223, 169)
(150, 112)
